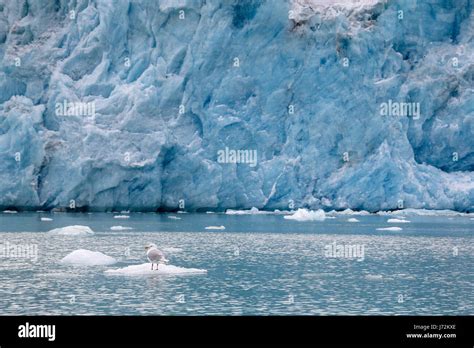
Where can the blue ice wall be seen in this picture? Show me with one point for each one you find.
(158, 88)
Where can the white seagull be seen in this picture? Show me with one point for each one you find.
(155, 255)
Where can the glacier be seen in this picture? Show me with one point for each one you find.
(125, 105)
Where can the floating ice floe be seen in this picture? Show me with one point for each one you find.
(120, 228)
(425, 212)
(221, 227)
(281, 212)
(10, 212)
(145, 269)
(174, 217)
(352, 220)
(374, 277)
(121, 217)
(85, 257)
(307, 215)
(252, 211)
(348, 212)
(389, 229)
(397, 221)
(172, 250)
(75, 230)
(255, 211)
(46, 219)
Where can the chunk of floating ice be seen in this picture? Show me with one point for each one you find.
(10, 212)
(46, 219)
(374, 277)
(174, 217)
(172, 250)
(352, 220)
(121, 217)
(424, 212)
(84, 257)
(75, 230)
(280, 212)
(221, 227)
(255, 211)
(389, 229)
(252, 211)
(120, 228)
(307, 215)
(349, 212)
(145, 269)
(397, 221)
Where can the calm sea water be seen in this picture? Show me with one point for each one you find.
(259, 265)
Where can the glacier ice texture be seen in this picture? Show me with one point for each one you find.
(167, 84)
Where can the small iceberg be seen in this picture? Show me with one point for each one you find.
(252, 211)
(174, 217)
(172, 250)
(145, 269)
(120, 228)
(85, 257)
(374, 277)
(221, 227)
(10, 212)
(121, 217)
(46, 219)
(349, 212)
(75, 230)
(397, 221)
(352, 220)
(307, 215)
(389, 229)
(424, 212)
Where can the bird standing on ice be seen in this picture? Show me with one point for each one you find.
(155, 255)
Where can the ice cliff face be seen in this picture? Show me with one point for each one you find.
(144, 105)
